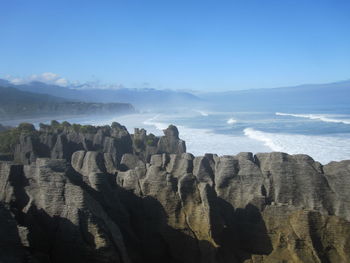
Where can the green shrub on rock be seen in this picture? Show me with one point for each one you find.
(88, 129)
(151, 140)
(55, 124)
(9, 138)
(66, 124)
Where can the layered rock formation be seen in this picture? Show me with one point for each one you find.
(60, 141)
(144, 199)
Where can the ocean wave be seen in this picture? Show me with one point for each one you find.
(160, 126)
(320, 117)
(231, 121)
(203, 113)
(202, 141)
(263, 137)
(322, 148)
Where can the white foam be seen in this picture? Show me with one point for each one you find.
(322, 148)
(160, 126)
(263, 137)
(203, 113)
(231, 121)
(201, 141)
(320, 117)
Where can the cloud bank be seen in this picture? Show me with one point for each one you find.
(46, 77)
(55, 79)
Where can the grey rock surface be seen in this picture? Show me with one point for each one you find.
(110, 200)
(170, 142)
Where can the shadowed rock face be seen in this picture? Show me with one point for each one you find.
(170, 143)
(172, 206)
(61, 141)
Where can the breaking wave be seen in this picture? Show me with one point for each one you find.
(263, 137)
(158, 125)
(325, 118)
(203, 113)
(322, 148)
(231, 121)
(201, 141)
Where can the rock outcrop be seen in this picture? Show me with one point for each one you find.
(60, 141)
(130, 203)
(170, 143)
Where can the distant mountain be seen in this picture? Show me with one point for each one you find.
(15, 103)
(141, 98)
(302, 97)
(316, 97)
(5, 83)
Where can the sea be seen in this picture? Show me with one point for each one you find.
(324, 136)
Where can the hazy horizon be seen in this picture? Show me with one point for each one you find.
(57, 80)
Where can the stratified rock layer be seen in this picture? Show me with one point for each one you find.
(170, 206)
(60, 141)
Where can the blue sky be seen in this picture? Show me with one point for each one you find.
(197, 45)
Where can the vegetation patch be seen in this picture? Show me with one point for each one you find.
(151, 140)
(9, 138)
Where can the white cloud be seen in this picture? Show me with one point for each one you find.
(96, 85)
(15, 80)
(55, 79)
(46, 77)
(61, 82)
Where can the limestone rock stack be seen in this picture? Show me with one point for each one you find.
(109, 196)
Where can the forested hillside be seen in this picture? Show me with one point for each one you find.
(15, 103)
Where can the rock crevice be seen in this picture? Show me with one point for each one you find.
(110, 196)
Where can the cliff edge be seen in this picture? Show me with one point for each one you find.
(99, 194)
